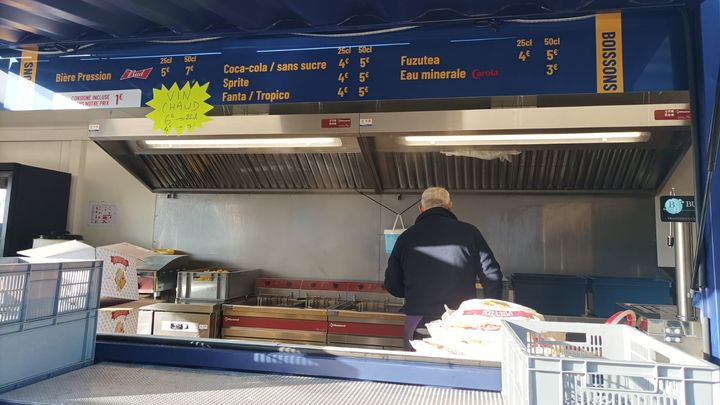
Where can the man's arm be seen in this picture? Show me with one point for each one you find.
(394, 283)
(490, 276)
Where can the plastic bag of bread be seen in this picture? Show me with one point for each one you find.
(473, 330)
(475, 318)
(486, 314)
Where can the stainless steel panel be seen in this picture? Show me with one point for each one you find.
(197, 325)
(293, 236)
(291, 126)
(212, 286)
(277, 335)
(364, 341)
(661, 322)
(145, 323)
(275, 312)
(371, 317)
(340, 236)
(684, 248)
(189, 308)
(516, 119)
(319, 343)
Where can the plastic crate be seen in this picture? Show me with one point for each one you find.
(579, 363)
(551, 294)
(48, 314)
(607, 292)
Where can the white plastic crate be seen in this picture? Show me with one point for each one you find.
(48, 316)
(595, 364)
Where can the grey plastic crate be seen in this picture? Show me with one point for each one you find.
(48, 315)
(581, 363)
(46, 348)
(34, 289)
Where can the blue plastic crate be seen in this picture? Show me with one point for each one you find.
(551, 294)
(48, 316)
(607, 292)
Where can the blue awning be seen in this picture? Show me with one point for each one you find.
(73, 21)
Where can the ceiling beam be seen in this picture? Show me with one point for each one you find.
(87, 15)
(21, 20)
(165, 14)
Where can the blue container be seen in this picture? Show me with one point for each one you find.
(607, 292)
(551, 294)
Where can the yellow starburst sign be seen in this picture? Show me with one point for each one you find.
(179, 108)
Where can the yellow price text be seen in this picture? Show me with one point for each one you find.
(551, 69)
(524, 55)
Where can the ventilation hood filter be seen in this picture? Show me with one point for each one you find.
(501, 155)
(590, 149)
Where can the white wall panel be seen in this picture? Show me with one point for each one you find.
(58, 140)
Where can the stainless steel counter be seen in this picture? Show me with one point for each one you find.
(112, 383)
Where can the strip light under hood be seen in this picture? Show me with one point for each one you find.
(526, 139)
(244, 143)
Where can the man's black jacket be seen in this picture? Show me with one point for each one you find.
(436, 262)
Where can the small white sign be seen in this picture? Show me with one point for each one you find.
(366, 122)
(97, 99)
(177, 326)
(102, 213)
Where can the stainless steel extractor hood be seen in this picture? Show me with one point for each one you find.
(621, 148)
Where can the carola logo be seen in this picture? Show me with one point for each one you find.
(136, 74)
(480, 74)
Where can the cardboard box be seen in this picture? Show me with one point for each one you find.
(122, 318)
(71, 249)
(120, 263)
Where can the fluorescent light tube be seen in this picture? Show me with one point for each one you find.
(245, 143)
(526, 139)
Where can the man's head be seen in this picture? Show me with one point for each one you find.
(435, 197)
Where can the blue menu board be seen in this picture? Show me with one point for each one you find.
(609, 53)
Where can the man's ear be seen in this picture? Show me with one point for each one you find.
(420, 208)
(450, 205)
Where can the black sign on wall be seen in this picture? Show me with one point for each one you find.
(677, 208)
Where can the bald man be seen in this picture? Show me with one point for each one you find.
(437, 261)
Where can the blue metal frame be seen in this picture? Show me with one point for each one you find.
(51, 22)
(256, 359)
(707, 59)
